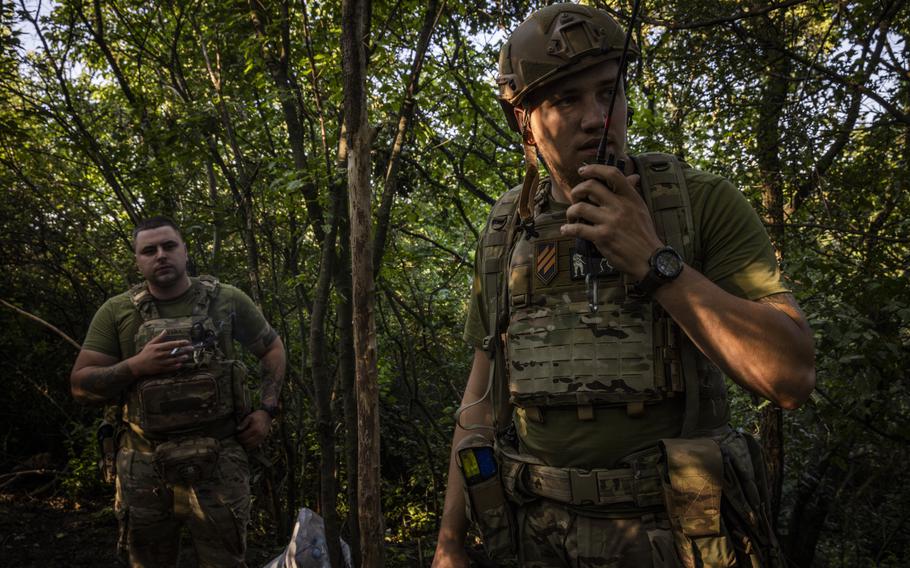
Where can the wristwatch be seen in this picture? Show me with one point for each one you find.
(270, 409)
(665, 266)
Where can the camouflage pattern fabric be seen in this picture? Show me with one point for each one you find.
(559, 353)
(552, 535)
(114, 327)
(215, 511)
(713, 512)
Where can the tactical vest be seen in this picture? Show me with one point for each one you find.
(208, 393)
(550, 351)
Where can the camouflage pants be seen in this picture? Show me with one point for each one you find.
(551, 535)
(151, 513)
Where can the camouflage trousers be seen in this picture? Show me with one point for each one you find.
(552, 535)
(151, 513)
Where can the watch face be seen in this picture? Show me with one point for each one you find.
(667, 263)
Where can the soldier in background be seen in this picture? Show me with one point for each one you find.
(594, 427)
(163, 352)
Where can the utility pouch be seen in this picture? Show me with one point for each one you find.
(746, 511)
(179, 403)
(692, 475)
(485, 499)
(187, 461)
(106, 452)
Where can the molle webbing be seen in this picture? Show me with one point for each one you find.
(205, 289)
(677, 362)
(667, 197)
(495, 246)
(203, 390)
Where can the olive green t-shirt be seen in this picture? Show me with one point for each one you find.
(735, 253)
(113, 329)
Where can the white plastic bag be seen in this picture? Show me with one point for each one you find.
(308, 548)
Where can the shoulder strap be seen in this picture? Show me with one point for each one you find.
(665, 191)
(667, 196)
(496, 244)
(207, 289)
(143, 301)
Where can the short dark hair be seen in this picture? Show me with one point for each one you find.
(154, 223)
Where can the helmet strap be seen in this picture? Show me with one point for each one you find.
(528, 188)
(526, 124)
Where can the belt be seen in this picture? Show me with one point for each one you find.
(637, 485)
(144, 443)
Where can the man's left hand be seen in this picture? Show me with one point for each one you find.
(254, 429)
(608, 211)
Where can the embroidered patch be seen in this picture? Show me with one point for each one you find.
(578, 270)
(546, 254)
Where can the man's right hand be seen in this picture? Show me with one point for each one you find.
(159, 356)
(450, 555)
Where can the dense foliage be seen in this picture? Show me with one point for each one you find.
(228, 116)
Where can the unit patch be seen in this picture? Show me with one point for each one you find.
(601, 266)
(546, 254)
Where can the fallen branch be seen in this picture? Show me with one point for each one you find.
(52, 327)
(8, 478)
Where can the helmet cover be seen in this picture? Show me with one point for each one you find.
(552, 43)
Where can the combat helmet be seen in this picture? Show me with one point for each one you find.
(554, 42)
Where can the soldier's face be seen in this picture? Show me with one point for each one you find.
(161, 256)
(567, 121)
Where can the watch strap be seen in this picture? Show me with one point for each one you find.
(654, 279)
(271, 409)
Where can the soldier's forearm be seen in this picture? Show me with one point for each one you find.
(454, 524)
(272, 369)
(102, 385)
(764, 346)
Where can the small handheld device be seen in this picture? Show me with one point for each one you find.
(586, 248)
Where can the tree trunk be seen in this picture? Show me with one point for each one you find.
(772, 102)
(347, 375)
(276, 57)
(323, 382)
(354, 15)
(346, 367)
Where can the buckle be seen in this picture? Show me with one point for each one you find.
(584, 487)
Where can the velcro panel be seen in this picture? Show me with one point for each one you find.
(667, 177)
(666, 201)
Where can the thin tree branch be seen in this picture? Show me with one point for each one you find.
(50, 326)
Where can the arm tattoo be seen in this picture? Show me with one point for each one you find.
(272, 380)
(108, 382)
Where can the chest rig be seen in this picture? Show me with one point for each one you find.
(550, 350)
(207, 392)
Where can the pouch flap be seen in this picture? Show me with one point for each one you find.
(693, 484)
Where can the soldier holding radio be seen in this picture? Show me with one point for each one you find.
(594, 427)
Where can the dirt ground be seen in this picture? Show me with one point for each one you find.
(58, 532)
